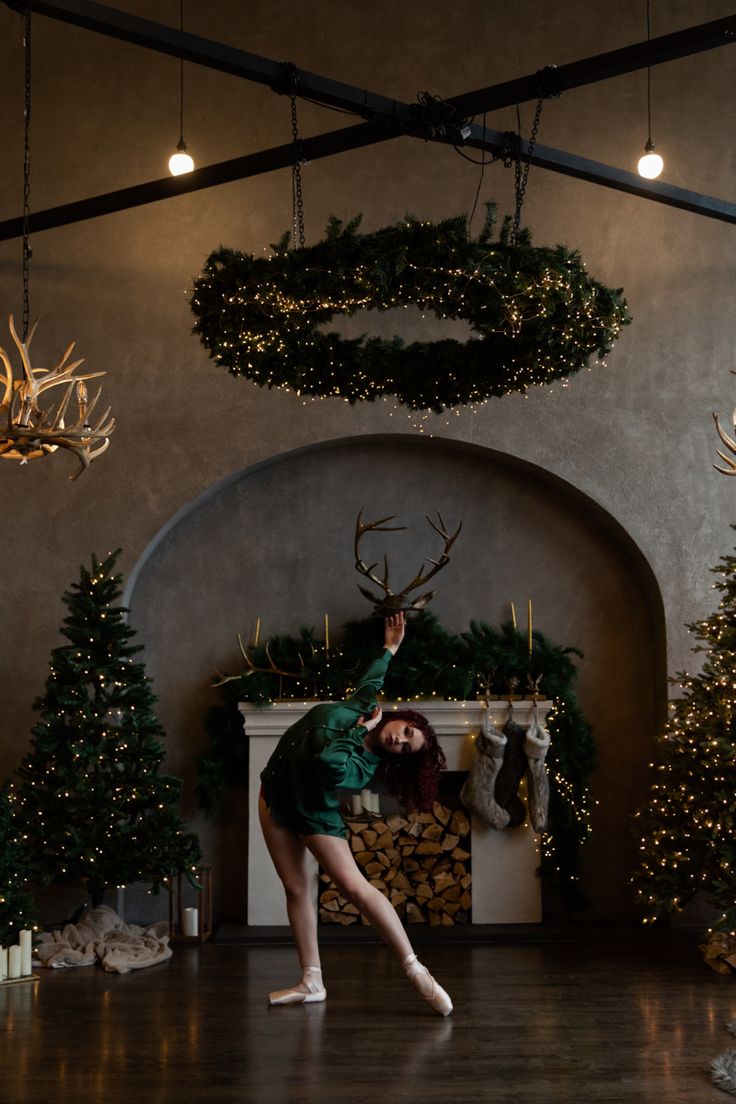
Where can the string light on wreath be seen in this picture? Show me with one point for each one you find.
(536, 314)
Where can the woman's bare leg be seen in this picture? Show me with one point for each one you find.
(335, 857)
(289, 856)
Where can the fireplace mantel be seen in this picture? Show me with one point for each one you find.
(506, 889)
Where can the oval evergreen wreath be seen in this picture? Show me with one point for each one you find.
(538, 313)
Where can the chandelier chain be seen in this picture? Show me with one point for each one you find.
(27, 173)
(297, 199)
(521, 177)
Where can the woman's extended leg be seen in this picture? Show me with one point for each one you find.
(335, 857)
(289, 856)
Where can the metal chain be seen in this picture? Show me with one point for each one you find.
(297, 200)
(520, 178)
(27, 174)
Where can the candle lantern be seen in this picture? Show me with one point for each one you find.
(191, 924)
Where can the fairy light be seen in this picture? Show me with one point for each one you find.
(536, 315)
(91, 790)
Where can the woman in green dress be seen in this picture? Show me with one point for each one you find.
(345, 744)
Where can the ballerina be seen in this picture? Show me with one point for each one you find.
(345, 744)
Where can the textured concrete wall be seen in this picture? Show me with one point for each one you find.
(633, 436)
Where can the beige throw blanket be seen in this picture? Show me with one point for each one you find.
(102, 936)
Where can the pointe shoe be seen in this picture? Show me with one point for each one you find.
(296, 996)
(435, 996)
(313, 990)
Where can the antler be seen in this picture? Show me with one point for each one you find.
(401, 601)
(272, 669)
(729, 443)
(419, 579)
(31, 432)
(376, 527)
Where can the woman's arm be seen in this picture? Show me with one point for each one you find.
(345, 761)
(371, 680)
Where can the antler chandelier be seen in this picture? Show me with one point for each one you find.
(26, 431)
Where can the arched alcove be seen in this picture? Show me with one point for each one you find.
(276, 542)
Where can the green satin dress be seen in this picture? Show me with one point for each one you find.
(322, 750)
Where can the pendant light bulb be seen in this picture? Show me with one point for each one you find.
(650, 163)
(181, 161)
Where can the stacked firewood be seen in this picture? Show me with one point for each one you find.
(420, 861)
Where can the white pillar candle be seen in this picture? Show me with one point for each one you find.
(375, 803)
(3, 963)
(365, 800)
(191, 921)
(355, 806)
(14, 961)
(26, 952)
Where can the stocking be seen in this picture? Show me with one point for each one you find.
(536, 743)
(511, 773)
(477, 793)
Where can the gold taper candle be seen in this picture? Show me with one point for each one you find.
(257, 632)
(529, 617)
(327, 633)
(513, 615)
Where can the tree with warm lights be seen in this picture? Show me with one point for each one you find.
(686, 830)
(91, 799)
(16, 904)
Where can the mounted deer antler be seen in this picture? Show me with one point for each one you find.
(729, 443)
(392, 602)
(26, 432)
(272, 669)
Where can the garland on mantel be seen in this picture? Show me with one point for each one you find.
(537, 314)
(432, 662)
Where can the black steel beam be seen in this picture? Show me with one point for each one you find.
(224, 172)
(608, 176)
(102, 19)
(557, 79)
(356, 137)
(390, 118)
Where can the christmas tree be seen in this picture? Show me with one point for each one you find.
(686, 830)
(16, 905)
(95, 807)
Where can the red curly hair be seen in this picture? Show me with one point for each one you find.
(413, 779)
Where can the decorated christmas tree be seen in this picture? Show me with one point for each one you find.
(686, 829)
(16, 904)
(95, 806)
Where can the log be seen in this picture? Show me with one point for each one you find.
(441, 812)
(459, 823)
(428, 847)
(416, 861)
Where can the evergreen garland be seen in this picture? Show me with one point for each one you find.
(95, 808)
(537, 314)
(431, 662)
(687, 829)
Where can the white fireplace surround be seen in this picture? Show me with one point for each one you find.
(505, 888)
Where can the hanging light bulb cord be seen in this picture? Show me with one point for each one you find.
(27, 173)
(649, 86)
(181, 81)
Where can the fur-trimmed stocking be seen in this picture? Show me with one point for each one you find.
(478, 790)
(536, 744)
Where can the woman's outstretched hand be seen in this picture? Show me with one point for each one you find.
(394, 627)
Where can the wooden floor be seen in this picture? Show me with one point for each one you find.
(616, 1019)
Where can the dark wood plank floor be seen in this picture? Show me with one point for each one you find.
(610, 1021)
